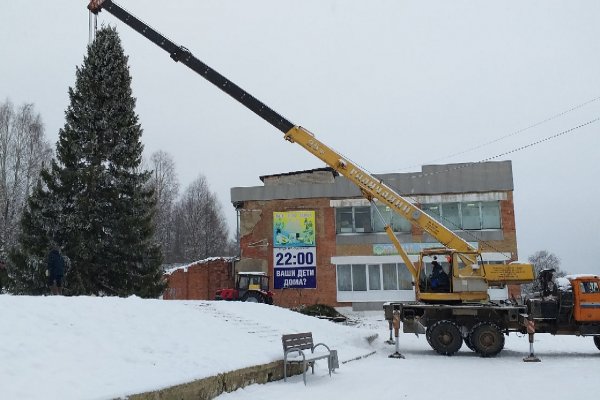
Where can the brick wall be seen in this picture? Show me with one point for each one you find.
(257, 243)
(200, 280)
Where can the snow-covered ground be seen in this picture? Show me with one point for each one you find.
(569, 369)
(103, 348)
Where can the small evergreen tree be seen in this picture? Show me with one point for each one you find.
(26, 267)
(93, 202)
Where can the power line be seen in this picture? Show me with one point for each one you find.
(470, 164)
(477, 147)
(468, 233)
(465, 165)
(544, 139)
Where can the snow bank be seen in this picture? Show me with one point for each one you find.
(100, 348)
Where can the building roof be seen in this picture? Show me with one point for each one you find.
(198, 263)
(296, 173)
(492, 176)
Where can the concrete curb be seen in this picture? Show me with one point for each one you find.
(211, 387)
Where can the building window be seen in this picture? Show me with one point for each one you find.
(366, 219)
(353, 219)
(396, 221)
(473, 215)
(490, 215)
(390, 277)
(362, 219)
(470, 216)
(404, 277)
(434, 211)
(344, 221)
(373, 277)
(359, 278)
(451, 215)
(352, 278)
(344, 278)
(396, 277)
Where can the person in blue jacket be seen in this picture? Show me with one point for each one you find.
(56, 271)
(439, 278)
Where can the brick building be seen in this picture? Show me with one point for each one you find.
(199, 280)
(322, 242)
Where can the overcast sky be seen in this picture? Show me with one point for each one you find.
(391, 84)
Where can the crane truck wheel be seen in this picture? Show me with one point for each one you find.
(487, 339)
(445, 337)
(253, 298)
(428, 336)
(597, 341)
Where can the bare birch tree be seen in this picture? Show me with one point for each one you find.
(201, 230)
(542, 260)
(23, 153)
(166, 189)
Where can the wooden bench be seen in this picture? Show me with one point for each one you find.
(298, 348)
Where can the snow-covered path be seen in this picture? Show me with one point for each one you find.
(569, 369)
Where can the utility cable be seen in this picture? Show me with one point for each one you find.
(543, 140)
(468, 233)
(477, 147)
(470, 164)
(465, 165)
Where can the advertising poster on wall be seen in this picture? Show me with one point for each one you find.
(294, 250)
(294, 229)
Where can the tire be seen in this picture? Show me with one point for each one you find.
(487, 339)
(428, 336)
(597, 341)
(253, 297)
(445, 337)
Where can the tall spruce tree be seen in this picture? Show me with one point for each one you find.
(94, 202)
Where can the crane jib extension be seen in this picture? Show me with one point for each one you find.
(183, 55)
(371, 187)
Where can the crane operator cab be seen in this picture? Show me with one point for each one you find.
(435, 274)
(448, 275)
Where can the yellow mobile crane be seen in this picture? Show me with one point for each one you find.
(469, 278)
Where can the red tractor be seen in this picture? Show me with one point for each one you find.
(249, 286)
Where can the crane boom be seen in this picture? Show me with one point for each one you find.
(371, 187)
(468, 284)
(183, 55)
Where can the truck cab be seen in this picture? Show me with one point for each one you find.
(586, 293)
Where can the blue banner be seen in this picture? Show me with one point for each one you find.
(295, 278)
